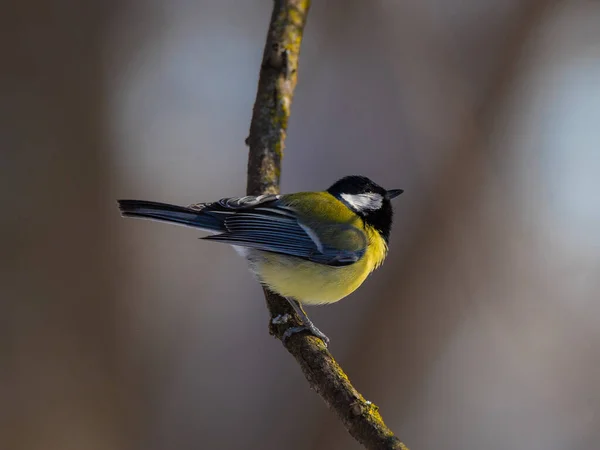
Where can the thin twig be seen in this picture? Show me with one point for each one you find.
(278, 76)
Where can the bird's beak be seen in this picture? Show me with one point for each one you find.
(393, 193)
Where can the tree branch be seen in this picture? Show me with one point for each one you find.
(278, 77)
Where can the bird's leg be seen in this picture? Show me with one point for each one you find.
(307, 324)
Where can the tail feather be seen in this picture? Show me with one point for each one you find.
(164, 212)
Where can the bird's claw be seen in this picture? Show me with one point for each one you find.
(307, 324)
(310, 328)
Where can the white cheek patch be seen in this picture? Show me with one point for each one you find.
(364, 202)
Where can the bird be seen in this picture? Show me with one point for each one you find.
(312, 248)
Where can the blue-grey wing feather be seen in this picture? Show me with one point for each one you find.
(263, 223)
(235, 203)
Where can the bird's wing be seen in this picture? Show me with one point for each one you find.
(265, 223)
(233, 204)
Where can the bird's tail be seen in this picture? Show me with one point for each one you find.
(164, 212)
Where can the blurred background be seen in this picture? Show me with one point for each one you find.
(482, 330)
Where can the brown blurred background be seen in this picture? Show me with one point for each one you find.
(480, 332)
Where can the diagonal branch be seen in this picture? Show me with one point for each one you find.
(278, 77)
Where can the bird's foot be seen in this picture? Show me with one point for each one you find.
(307, 324)
(306, 327)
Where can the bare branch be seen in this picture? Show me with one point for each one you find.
(278, 76)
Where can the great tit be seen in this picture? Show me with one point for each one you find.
(311, 247)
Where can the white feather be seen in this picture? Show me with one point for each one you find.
(364, 202)
(313, 236)
(242, 251)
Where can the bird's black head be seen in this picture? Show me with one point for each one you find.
(367, 199)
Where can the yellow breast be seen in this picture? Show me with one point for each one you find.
(314, 284)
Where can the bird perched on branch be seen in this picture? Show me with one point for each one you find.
(309, 247)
